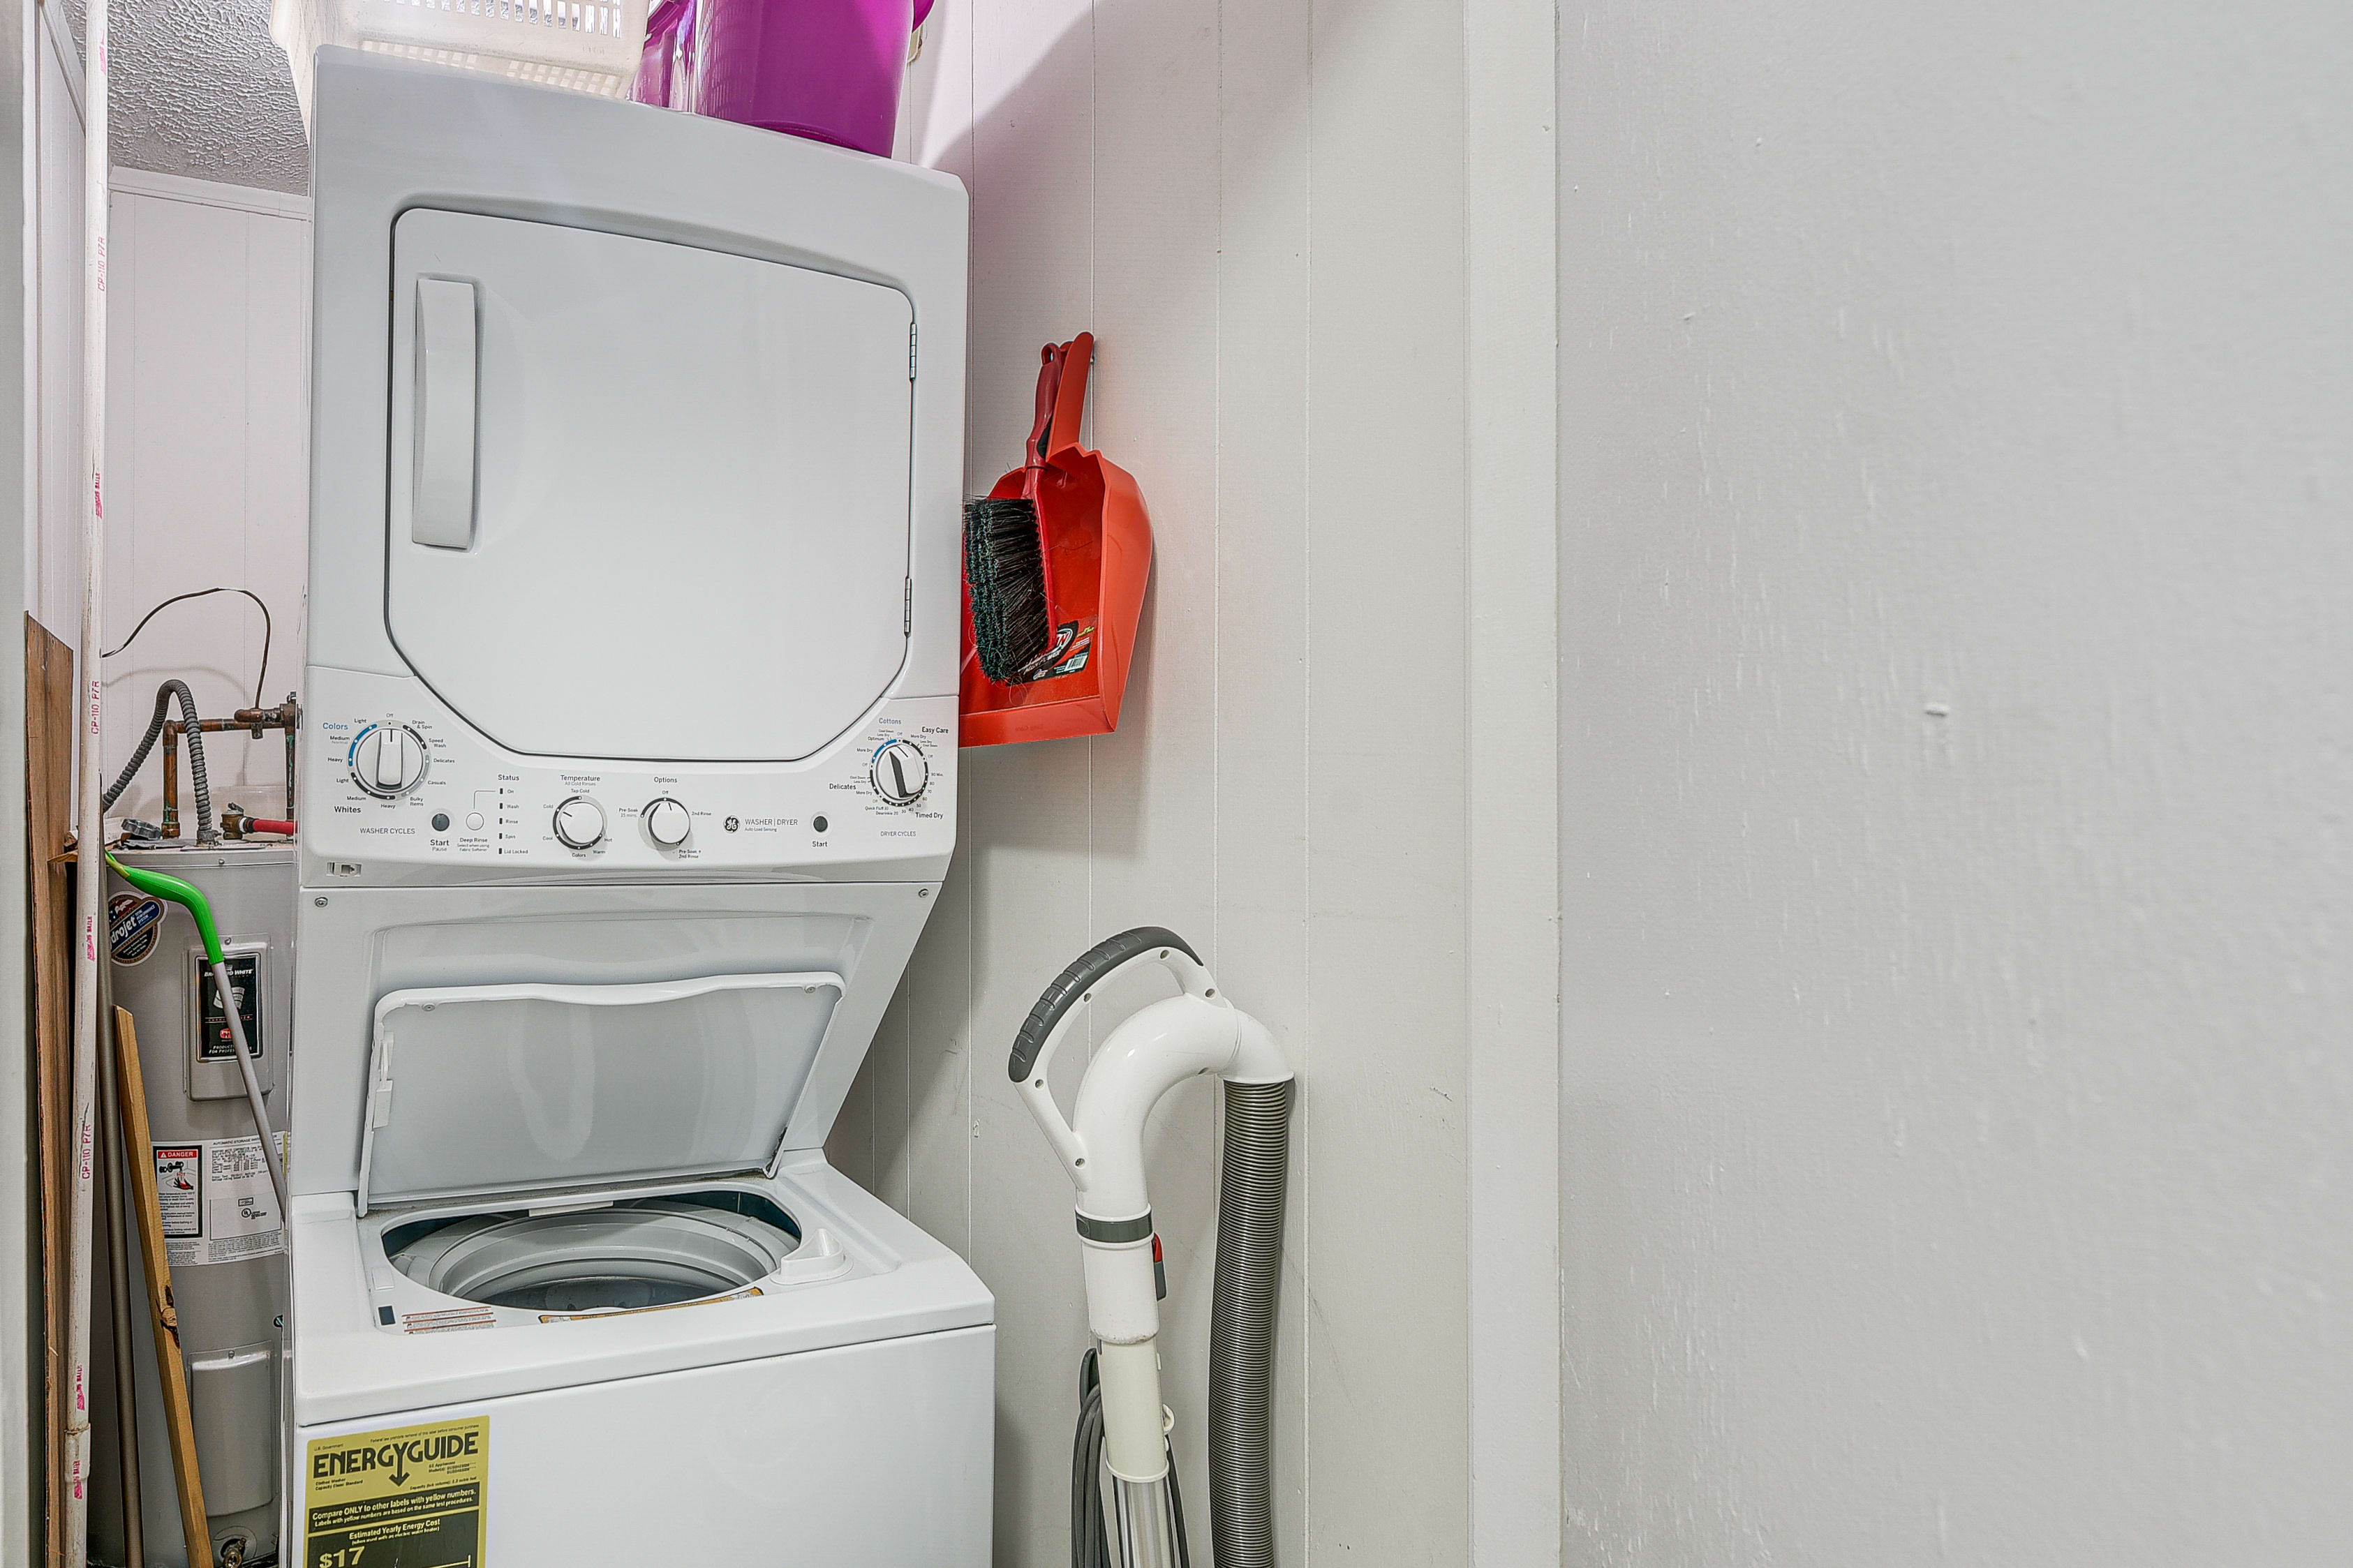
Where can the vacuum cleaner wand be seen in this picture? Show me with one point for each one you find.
(1101, 1147)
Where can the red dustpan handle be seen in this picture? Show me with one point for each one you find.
(1078, 356)
(1049, 373)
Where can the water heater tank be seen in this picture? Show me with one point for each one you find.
(222, 1232)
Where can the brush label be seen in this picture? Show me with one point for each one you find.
(1073, 641)
(412, 1496)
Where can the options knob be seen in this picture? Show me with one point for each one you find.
(388, 760)
(580, 823)
(901, 772)
(667, 823)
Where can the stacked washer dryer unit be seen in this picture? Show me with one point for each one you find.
(634, 609)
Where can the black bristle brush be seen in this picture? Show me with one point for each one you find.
(1005, 557)
(1006, 566)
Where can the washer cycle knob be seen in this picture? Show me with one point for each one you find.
(580, 823)
(901, 772)
(667, 823)
(388, 761)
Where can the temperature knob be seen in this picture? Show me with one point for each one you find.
(580, 823)
(388, 760)
(667, 823)
(901, 773)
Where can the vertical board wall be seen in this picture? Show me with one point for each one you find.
(208, 468)
(1260, 211)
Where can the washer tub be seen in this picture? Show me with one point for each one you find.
(623, 1256)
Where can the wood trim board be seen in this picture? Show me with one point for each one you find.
(163, 1315)
(49, 775)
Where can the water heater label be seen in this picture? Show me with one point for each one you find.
(179, 1178)
(213, 1041)
(217, 1202)
(133, 921)
(408, 1497)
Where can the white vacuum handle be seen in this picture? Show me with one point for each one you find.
(1041, 1033)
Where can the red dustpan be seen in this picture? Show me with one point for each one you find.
(1097, 541)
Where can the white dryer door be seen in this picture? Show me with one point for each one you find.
(515, 1089)
(646, 501)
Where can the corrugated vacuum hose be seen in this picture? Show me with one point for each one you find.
(1251, 1181)
(1123, 1427)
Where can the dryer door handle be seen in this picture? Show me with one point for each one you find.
(441, 503)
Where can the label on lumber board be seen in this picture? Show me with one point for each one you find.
(411, 1497)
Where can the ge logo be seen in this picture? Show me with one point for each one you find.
(732, 823)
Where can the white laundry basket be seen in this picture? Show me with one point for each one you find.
(587, 46)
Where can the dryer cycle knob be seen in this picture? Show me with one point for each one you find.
(901, 772)
(388, 761)
(580, 823)
(667, 823)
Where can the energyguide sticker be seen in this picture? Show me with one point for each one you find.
(411, 1497)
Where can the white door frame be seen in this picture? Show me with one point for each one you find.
(1512, 938)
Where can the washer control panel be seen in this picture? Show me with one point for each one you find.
(398, 791)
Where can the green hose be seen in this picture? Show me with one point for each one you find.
(172, 890)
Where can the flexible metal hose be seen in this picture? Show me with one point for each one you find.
(205, 832)
(1250, 1183)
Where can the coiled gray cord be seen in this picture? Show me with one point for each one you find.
(1090, 1538)
(1251, 1183)
(1090, 1533)
(205, 832)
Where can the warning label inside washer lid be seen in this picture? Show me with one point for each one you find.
(408, 1497)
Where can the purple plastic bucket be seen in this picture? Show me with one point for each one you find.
(825, 69)
(652, 85)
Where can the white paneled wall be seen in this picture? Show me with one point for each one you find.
(208, 475)
(1260, 211)
(1955, 409)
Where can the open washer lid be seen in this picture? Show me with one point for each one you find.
(475, 1090)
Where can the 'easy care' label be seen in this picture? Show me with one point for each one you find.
(408, 1497)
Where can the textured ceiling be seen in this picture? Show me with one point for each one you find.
(199, 89)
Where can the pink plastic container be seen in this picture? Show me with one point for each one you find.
(652, 85)
(825, 69)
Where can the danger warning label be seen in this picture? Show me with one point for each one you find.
(218, 1202)
(410, 1498)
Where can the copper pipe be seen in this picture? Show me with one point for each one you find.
(286, 716)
